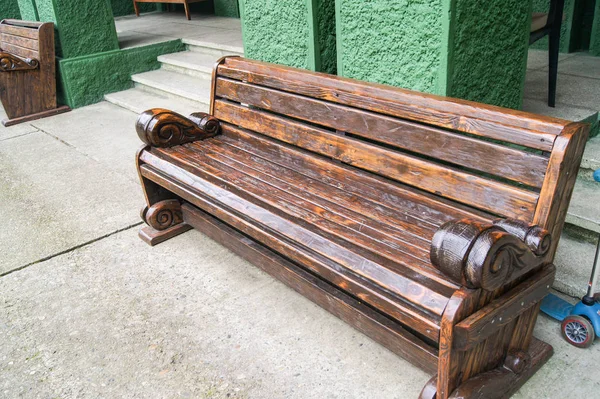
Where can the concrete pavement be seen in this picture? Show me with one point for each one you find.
(87, 310)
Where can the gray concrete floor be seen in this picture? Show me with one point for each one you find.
(578, 85)
(87, 310)
(163, 26)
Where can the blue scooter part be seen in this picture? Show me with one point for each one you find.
(590, 312)
(556, 307)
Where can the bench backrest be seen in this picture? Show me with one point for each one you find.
(499, 161)
(21, 38)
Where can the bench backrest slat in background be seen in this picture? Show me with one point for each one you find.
(492, 159)
(20, 40)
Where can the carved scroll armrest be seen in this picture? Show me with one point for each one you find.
(489, 256)
(11, 62)
(163, 128)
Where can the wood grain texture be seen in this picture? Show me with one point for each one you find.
(375, 325)
(427, 223)
(28, 88)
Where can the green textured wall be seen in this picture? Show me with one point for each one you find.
(84, 80)
(488, 60)
(9, 9)
(326, 28)
(278, 32)
(595, 39)
(82, 26)
(472, 49)
(396, 42)
(28, 10)
(227, 8)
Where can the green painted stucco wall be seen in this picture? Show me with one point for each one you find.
(595, 39)
(472, 49)
(84, 80)
(488, 60)
(325, 25)
(396, 42)
(227, 8)
(298, 33)
(82, 26)
(277, 31)
(28, 10)
(9, 9)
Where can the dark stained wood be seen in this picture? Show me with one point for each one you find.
(186, 5)
(479, 119)
(501, 311)
(502, 382)
(154, 237)
(425, 324)
(378, 327)
(427, 223)
(27, 71)
(448, 182)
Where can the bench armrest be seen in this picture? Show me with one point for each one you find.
(11, 62)
(163, 128)
(489, 256)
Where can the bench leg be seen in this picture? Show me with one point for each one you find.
(187, 10)
(136, 8)
(164, 221)
(500, 382)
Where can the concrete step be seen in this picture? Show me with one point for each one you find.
(591, 155)
(137, 100)
(574, 260)
(190, 63)
(211, 48)
(173, 84)
(584, 209)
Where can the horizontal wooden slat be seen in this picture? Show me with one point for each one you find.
(510, 163)
(378, 327)
(323, 236)
(405, 253)
(503, 310)
(415, 208)
(20, 51)
(458, 185)
(20, 31)
(507, 125)
(193, 189)
(21, 23)
(20, 41)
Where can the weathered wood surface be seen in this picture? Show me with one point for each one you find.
(427, 223)
(27, 71)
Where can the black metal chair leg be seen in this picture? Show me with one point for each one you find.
(553, 65)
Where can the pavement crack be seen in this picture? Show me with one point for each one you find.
(19, 135)
(70, 249)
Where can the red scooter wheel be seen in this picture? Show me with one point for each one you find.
(578, 331)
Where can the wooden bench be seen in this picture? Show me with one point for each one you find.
(27, 71)
(186, 5)
(428, 223)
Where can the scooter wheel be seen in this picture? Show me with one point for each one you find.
(578, 331)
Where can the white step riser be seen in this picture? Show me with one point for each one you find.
(206, 75)
(169, 94)
(138, 101)
(215, 52)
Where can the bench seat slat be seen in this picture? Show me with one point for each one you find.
(479, 119)
(470, 189)
(292, 196)
(354, 230)
(353, 250)
(400, 223)
(235, 211)
(418, 208)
